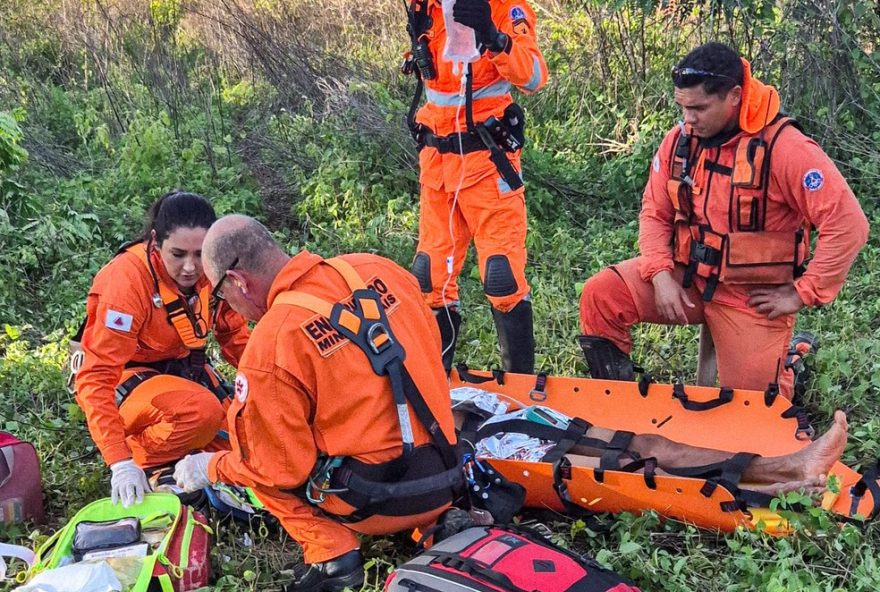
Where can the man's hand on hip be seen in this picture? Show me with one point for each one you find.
(670, 298)
(775, 301)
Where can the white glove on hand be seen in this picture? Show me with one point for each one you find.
(128, 483)
(191, 472)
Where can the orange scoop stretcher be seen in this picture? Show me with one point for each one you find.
(738, 421)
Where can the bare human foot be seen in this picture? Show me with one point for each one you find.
(804, 466)
(816, 460)
(811, 487)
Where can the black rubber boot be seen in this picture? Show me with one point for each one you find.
(516, 338)
(346, 571)
(605, 360)
(449, 322)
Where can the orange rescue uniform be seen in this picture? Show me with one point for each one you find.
(803, 186)
(166, 416)
(487, 211)
(302, 391)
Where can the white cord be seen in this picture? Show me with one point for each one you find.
(450, 259)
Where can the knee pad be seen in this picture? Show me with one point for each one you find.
(421, 268)
(499, 280)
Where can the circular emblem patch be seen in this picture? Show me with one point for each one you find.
(656, 164)
(241, 388)
(517, 13)
(813, 180)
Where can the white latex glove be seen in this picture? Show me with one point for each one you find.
(128, 483)
(191, 472)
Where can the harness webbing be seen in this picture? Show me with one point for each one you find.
(366, 325)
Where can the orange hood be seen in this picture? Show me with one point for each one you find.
(760, 102)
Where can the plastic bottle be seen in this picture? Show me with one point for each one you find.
(461, 41)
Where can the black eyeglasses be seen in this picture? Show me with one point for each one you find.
(691, 76)
(216, 293)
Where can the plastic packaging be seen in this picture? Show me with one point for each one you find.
(79, 577)
(482, 402)
(461, 41)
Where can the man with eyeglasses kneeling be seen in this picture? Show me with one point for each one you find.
(342, 421)
(724, 231)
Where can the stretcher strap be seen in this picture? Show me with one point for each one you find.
(645, 383)
(467, 376)
(868, 482)
(539, 393)
(650, 470)
(577, 427)
(543, 432)
(561, 474)
(804, 431)
(725, 396)
(770, 394)
(614, 450)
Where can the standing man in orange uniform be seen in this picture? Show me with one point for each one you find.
(733, 193)
(470, 135)
(342, 421)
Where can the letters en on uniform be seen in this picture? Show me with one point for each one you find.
(322, 334)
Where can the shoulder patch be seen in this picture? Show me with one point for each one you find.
(326, 339)
(241, 388)
(517, 13)
(118, 320)
(813, 180)
(656, 163)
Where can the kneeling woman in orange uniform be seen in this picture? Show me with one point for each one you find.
(145, 385)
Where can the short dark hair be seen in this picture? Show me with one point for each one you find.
(178, 209)
(714, 65)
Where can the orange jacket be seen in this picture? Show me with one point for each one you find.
(804, 185)
(121, 297)
(493, 75)
(302, 390)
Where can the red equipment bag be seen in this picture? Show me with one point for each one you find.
(21, 493)
(502, 559)
(194, 570)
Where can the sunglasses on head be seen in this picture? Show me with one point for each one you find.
(691, 76)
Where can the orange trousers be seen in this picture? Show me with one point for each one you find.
(750, 348)
(323, 538)
(495, 218)
(166, 417)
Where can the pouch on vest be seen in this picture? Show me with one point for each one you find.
(762, 257)
(490, 559)
(21, 494)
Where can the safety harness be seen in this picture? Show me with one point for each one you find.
(422, 478)
(192, 329)
(748, 254)
(496, 136)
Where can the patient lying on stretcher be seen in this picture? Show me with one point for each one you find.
(806, 469)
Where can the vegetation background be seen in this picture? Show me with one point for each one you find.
(292, 110)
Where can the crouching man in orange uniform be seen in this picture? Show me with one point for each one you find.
(724, 230)
(342, 421)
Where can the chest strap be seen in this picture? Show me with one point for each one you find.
(191, 325)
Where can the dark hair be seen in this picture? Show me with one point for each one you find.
(178, 209)
(714, 65)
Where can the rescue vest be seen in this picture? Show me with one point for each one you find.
(191, 325)
(748, 254)
(424, 477)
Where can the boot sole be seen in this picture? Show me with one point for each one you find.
(353, 580)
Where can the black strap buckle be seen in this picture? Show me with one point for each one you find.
(703, 253)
